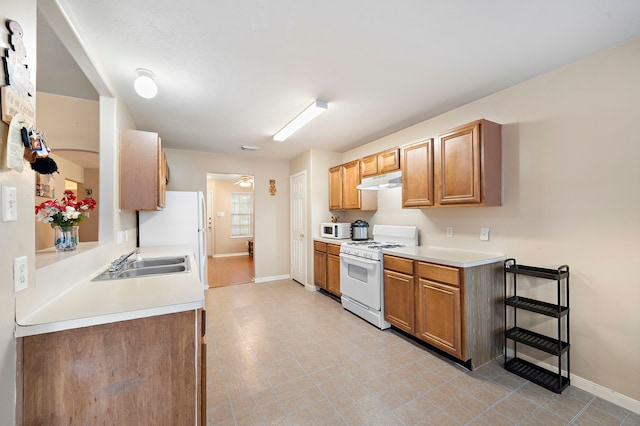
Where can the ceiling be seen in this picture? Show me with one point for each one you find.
(232, 73)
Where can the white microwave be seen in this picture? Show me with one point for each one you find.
(335, 230)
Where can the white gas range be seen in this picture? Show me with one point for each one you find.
(361, 271)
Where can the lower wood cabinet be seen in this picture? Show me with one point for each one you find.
(143, 371)
(399, 293)
(333, 269)
(320, 264)
(457, 310)
(326, 267)
(439, 319)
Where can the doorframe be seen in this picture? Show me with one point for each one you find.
(306, 239)
(211, 249)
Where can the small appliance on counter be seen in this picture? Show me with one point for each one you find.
(359, 230)
(335, 230)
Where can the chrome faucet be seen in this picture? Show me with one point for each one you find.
(117, 264)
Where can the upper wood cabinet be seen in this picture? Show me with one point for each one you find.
(343, 194)
(417, 174)
(468, 162)
(461, 167)
(143, 171)
(382, 162)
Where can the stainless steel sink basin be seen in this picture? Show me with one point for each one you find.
(147, 267)
(152, 270)
(156, 261)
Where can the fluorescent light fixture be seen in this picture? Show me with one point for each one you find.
(144, 84)
(315, 109)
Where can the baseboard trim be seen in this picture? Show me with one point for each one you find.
(589, 386)
(244, 253)
(273, 278)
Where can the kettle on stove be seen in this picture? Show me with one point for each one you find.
(359, 230)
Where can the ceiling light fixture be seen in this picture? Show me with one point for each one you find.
(312, 111)
(244, 181)
(144, 84)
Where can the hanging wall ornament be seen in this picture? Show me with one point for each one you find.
(36, 152)
(19, 88)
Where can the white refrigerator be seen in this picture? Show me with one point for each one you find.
(180, 223)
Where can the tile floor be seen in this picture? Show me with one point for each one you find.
(281, 355)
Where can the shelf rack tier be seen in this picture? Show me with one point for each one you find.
(538, 341)
(538, 375)
(544, 308)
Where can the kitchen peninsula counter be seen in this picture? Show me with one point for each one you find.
(89, 303)
(446, 256)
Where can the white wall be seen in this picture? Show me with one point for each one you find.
(271, 250)
(570, 153)
(16, 238)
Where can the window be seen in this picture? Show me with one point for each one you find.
(241, 214)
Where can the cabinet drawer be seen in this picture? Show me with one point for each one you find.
(320, 246)
(333, 249)
(398, 264)
(443, 274)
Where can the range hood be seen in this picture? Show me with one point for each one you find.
(386, 181)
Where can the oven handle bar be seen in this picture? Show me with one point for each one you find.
(368, 263)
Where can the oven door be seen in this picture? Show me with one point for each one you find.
(361, 280)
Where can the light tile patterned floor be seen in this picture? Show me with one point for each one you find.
(281, 355)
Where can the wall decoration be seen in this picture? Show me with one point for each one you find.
(272, 187)
(45, 186)
(18, 93)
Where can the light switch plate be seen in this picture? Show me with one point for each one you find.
(20, 268)
(450, 231)
(484, 234)
(9, 204)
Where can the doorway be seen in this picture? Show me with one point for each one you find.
(230, 227)
(298, 185)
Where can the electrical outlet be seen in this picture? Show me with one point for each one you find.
(20, 268)
(484, 234)
(9, 204)
(450, 231)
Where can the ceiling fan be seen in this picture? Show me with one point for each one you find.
(244, 181)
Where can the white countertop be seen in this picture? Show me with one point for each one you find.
(336, 241)
(91, 303)
(446, 256)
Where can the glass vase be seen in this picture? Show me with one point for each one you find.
(65, 238)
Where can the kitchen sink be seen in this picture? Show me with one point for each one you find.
(152, 270)
(147, 267)
(156, 261)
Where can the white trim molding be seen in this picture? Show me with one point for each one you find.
(274, 278)
(588, 386)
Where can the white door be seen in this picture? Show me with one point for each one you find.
(210, 223)
(298, 186)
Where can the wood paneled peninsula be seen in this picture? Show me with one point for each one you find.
(128, 351)
(451, 299)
